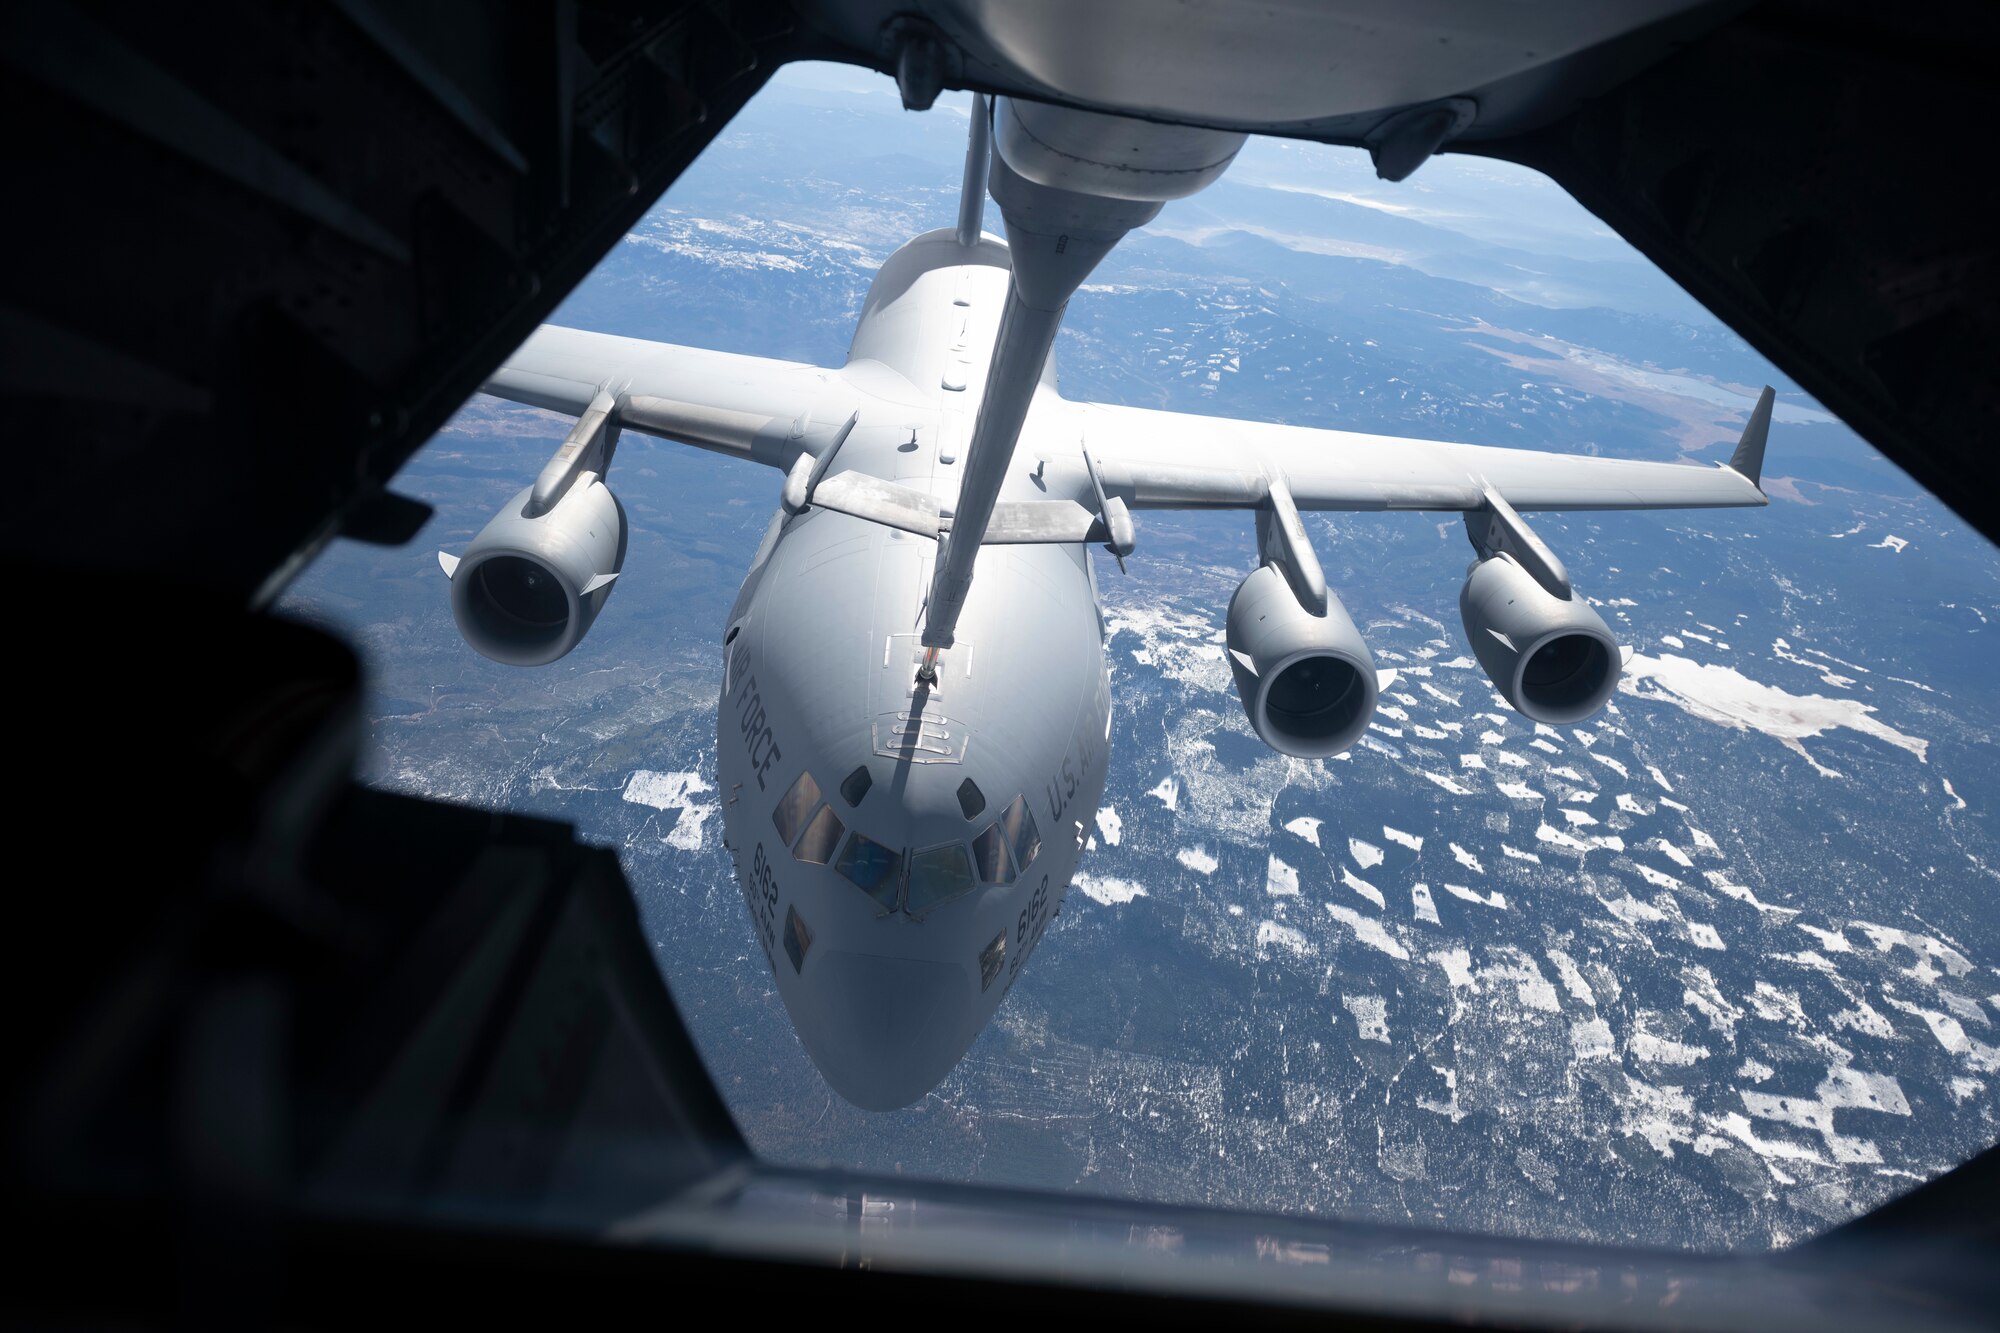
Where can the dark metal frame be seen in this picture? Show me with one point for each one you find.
(279, 1043)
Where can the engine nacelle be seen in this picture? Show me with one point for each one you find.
(1307, 681)
(1551, 657)
(527, 589)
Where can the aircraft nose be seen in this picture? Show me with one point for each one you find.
(883, 1030)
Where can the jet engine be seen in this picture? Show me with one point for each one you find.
(1307, 681)
(527, 589)
(1551, 657)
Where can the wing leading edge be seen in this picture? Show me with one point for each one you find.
(744, 406)
(1168, 460)
(771, 411)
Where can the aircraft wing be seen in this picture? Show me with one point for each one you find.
(1169, 460)
(745, 406)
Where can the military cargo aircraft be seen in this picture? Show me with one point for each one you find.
(909, 757)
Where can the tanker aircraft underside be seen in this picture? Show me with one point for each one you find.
(908, 757)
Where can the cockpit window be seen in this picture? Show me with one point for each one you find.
(821, 838)
(790, 816)
(989, 856)
(937, 876)
(1023, 838)
(856, 784)
(876, 870)
(798, 938)
(971, 800)
(990, 959)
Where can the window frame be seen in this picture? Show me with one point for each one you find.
(898, 870)
(823, 813)
(1007, 874)
(909, 873)
(804, 817)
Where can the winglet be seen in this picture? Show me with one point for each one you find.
(448, 563)
(1748, 460)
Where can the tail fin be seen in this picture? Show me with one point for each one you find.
(972, 191)
(1748, 460)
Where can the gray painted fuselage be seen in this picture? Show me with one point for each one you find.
(822, 648)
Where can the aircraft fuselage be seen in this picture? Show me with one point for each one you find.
(902, 845)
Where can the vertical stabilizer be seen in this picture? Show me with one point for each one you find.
(972, 191)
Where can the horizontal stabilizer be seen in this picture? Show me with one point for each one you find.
(1026, 522)
(879, 501)
(1748, 460)
(1014, 523)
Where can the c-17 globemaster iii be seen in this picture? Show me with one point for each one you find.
(909, 756)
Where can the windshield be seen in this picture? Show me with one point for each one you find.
(1714, 969)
